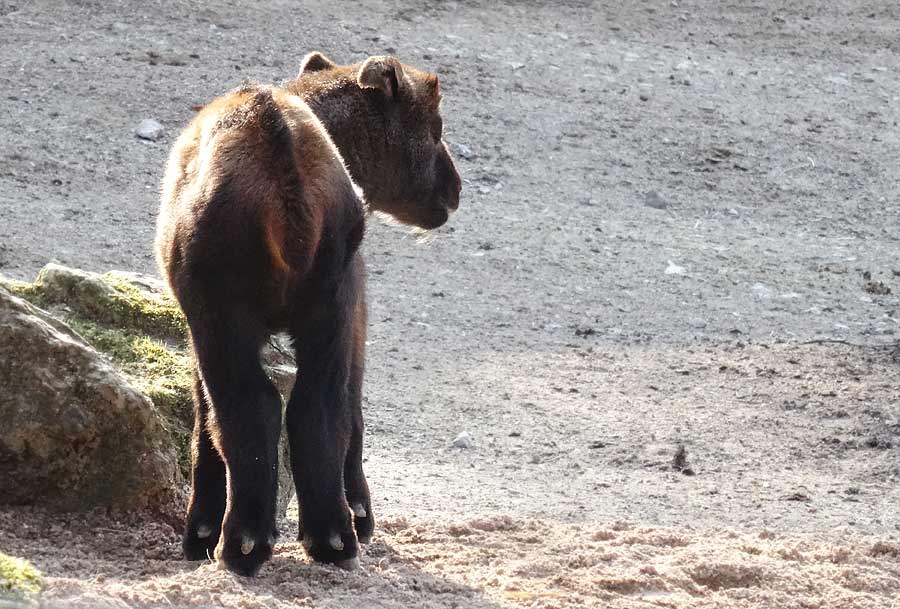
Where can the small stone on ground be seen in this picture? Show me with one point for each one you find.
(149, 129)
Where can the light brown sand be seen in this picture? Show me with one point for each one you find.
(491, 561)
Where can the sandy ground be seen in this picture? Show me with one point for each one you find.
(488, 562)
(670, 208)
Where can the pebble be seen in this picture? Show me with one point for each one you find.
(149, 129)
(674, 269)
(876, 287)
(697, 323)
(461, 150)
(761, 291)
(655, 200)
(463, 440)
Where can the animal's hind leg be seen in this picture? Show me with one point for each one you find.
(245, 423)
(207, 503)
(355, 484)
(319, 423)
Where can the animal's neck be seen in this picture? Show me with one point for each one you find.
(355, 126)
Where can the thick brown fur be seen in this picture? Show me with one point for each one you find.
(259, 231)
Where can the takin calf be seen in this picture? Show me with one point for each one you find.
(259, 232)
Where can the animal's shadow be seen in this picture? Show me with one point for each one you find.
(96, 560)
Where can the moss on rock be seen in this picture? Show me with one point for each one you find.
(76, 433)
(155, 313)
(25, 290)
(160, 370)
(137, 325)
(125, 300)
(19, 580)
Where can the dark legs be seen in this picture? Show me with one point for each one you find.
(244, 420)
(231, 514)
(207, 503)
(355, 484)
(324, 425)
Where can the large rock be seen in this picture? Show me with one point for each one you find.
(135, 322)
(75, 435)
(126, 300)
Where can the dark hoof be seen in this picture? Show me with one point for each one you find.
(363, 522)
(199, 542)
(244, 555)
(341, 550)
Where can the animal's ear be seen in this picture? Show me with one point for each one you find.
(433, 89)
(382, 72)
(315, 62)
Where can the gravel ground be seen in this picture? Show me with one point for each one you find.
(671, 210)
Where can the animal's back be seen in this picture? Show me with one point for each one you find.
(250, 185)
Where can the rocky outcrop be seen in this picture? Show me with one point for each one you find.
(75, 434)
(124, 300)
(135, 323)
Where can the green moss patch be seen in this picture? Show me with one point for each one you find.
(156, 314)
(141, 332)
(111, 299)
(160, 370)
(19, 580)
(24, 290)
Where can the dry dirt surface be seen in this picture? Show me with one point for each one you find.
(665, 312)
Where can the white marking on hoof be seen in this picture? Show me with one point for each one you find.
(247, 545)
(351, 564)
(271, 540)
(203, 531)
(335, 542)
(359, 510)
(365, 540)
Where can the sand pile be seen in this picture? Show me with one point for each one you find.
(495, 561)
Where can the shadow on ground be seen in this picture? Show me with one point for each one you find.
(483, 562)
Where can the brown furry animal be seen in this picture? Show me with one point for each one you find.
(259, 231)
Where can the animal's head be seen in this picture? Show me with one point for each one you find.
(385, 119)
